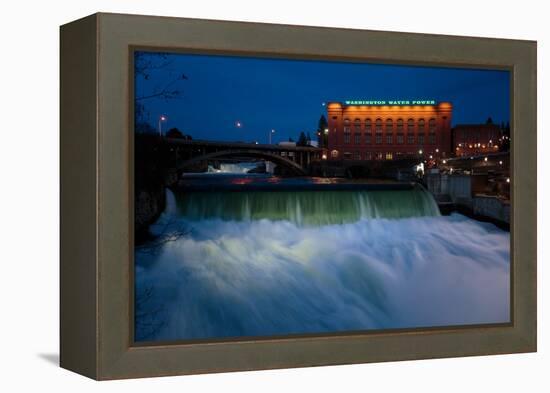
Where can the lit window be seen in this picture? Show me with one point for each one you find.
(334, 153)
(389, 156)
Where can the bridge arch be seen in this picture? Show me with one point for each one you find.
(275, 158)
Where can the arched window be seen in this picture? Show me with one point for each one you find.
(368, 125)
(389, 131)
(378, 125)
(421, 125)
(399, 125)
(410, 131)
(347, 135)
(431, 125)
(389, 125)
(334, 153)
(346, 122)
(410, 125)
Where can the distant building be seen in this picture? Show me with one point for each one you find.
(388, 130)
(476, 139)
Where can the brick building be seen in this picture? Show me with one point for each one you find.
(475, 139)
(388, 130)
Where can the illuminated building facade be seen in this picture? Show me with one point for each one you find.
(388, 130)
(475, 139)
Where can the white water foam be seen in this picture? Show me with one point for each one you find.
(264, 278)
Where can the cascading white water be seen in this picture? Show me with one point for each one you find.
(171, 205)
(267, 268)
(237, 168)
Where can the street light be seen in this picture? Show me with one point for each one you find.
(271, 133)
(161, 119)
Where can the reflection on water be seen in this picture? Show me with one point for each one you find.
(250, 268)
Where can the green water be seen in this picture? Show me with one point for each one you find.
(310, 208)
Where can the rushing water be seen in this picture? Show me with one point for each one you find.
(237, 168)
(233, 264)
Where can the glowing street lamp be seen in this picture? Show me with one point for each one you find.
(420, 151)
(162, 118)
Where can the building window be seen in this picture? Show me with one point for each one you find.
(357, 124)
(347, 135)
(347, 155)
(410, 139)
(334, 153)
(421, 139)
(357, 138)
(368, 139)
(346, 122)
(378, 138)
(356, 155)
(389, 139)
(368, 125)
(431, 125)
(389, 156)
(368, 155)
(432, 138)
(399, 139)
(389, 125)
(399, 125)
(421, 125)
(410, 126)
(379, 156)
(378, 125)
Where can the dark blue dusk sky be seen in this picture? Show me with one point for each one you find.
(287, 95)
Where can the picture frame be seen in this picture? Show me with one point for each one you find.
(96, 261)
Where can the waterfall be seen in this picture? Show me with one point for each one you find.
(309, 208)
(237, 168)
(171, 205)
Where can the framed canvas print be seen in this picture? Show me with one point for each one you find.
(254, 196)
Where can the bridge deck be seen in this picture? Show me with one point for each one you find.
(239, 145)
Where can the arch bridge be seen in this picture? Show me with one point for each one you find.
(295, 159)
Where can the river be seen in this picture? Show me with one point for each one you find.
(298, 261)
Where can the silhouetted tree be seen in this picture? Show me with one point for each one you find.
(322, 137)
(174, 133)
(302, 140)
(146, 65)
